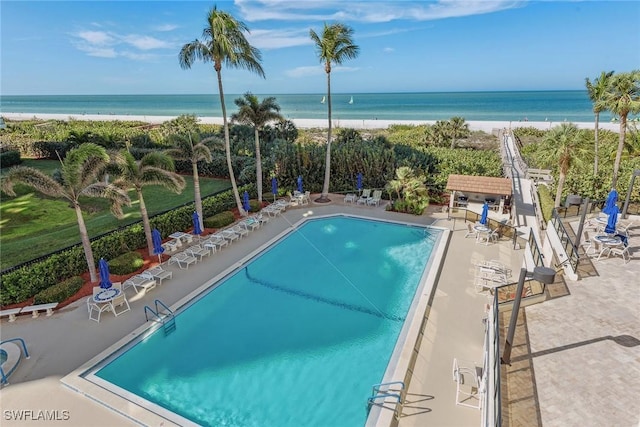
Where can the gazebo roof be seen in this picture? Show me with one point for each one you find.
(479, 184)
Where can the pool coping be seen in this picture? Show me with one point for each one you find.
(132, 408)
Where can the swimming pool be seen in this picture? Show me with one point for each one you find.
(297, 336)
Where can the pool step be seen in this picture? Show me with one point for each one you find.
(164, 317)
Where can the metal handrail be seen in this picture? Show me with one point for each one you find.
(156, 302)
(4, 378)
(565, 239)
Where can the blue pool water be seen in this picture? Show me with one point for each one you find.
(296, 337)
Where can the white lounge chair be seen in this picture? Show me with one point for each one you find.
(468, 384)
(239, 229)
(230, 235)
(183, 259)
(364, 197)
(139, 283)
(198, 251)
(158, 273)
(250, 223)
(375, 199)
(215, 242)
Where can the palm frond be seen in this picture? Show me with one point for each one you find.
(33, 178)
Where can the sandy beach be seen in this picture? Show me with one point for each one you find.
(486, 126)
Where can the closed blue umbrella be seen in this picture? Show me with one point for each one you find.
(359, 181)
(613, 219)
(105, 283)
(485, 213)
(300, 184)
(612, 198)
(196, 224)
(245, 202)
(157, 243)
(274, 187)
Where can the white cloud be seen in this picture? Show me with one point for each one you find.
(315, 70)
(388, 50)
(96, 37)
(145, 42)
(274, 39)
(371, 12)
(165, 27)
(110, 45)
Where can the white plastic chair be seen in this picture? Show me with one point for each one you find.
(95, 309)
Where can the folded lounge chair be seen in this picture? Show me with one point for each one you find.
(158, 273)
(139, 283)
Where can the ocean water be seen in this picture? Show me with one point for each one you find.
(555, 106)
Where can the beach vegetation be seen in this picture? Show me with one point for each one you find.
(223, 42)
(409, 190)
(333, 46)
(546, 202)
(155, 168)
(456, 128)
(257, 114)
(597, 90)
(622, 97)
(81, 169)
(185, 149)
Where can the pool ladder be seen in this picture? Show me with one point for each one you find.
(165, 318)
(377, 393)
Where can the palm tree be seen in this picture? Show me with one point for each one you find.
(257, 114)
(410, 190)
(596, 91)
(334, 47)
(562, 144)
(457, 129)
(80, 171)
(155, 168)
(622, 98)
(185, 149)
(223, 42)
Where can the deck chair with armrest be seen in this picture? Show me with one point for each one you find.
(471, 232)
(364, 197)
(375, 199)
(119, 304)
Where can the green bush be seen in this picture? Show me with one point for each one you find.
(60, 291)
(9, 158)
(546, 202)
(219, 220)
(254, 206)
(126, 263)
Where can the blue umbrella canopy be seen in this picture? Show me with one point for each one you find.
(196, 224)
(300, 184)
(157, 241)
(485, 213)
(613, 219)
(612, 198)
(245, 202)
(359, 181)
(103, 266)
(274, 187)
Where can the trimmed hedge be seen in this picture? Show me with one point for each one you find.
(9, 158)
(23, 283)
(546, 202)
(59, 292)
(219, 220)
(126, 263)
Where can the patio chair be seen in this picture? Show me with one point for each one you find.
(198, 251)
(119, 304)
(375, 199)
(471, 232)
(215, 242)
(95, 309)
(240, 230)
(364, 197)
(158, 273)
(139, 283)
(623, 252)
(183, 259)
(600, 249)
(623, 227)
(230, 235)
(468, 384)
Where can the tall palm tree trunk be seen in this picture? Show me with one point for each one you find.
(595, 161)
(561, 179)
(616, 164)
(227, 144)
(196, 192)
(324, 197)
(145, 221)
(86, 244)
(258, 165)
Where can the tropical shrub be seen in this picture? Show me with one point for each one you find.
(219, 220)
(546, 202)
(126, 263)
(9, 158)
(60, 291)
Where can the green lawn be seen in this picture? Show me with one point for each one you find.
(32, 225)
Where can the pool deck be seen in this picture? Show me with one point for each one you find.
(595, 366)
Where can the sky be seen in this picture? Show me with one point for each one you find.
(131, 47)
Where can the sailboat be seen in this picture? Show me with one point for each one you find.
(351, 100)
(322, 102)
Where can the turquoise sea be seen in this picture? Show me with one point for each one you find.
(570, 105)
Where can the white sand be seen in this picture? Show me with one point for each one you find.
(486, 126)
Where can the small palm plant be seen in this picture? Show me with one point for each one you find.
(154, 168)
(257, 114)
(80, 173)
(410, 190)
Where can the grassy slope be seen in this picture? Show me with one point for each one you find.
(31, 225)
